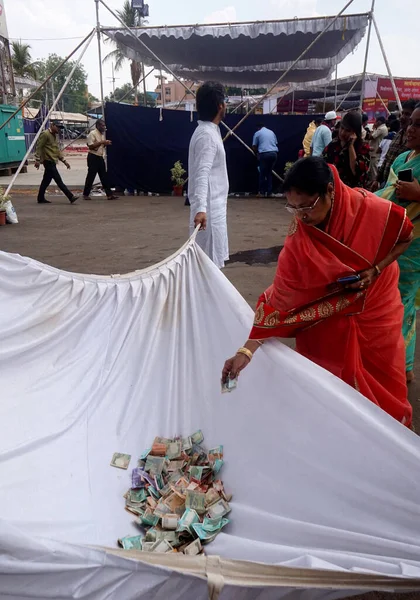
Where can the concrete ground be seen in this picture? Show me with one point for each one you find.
(105, 237)
(74, 177)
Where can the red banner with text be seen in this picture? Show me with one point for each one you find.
(407, 88)
(373, 107)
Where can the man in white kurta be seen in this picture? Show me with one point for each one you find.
(208, 183)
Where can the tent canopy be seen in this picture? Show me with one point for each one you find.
(246, 53)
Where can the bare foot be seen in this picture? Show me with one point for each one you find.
(409, 376)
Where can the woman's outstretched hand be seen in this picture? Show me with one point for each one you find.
(233, 366)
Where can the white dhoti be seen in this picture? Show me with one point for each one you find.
(208, 188)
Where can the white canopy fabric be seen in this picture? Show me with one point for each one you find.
(251, 54)
(322, 479)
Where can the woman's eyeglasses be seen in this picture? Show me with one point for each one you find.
(302, 209)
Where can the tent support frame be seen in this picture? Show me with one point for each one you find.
(259, 102)
(362, 92)
(101, 75)
(46, 80)
(391, 77)
(54, 104)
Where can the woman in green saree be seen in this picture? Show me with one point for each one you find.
(407, 194)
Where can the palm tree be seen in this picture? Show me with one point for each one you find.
(131, 18)
(23, 66)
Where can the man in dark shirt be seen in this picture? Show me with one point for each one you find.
(48, 154)
(397, 146)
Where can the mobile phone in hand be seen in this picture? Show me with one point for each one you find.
(349, 279)
(406, 175)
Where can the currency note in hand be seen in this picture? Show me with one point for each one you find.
(229, 385)
(121, 461)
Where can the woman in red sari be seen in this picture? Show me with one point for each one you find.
(351, 329)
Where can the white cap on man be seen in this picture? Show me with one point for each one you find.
(330, 116)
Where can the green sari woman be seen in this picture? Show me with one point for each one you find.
(409, 262)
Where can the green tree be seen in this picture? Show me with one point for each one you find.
(131, 18)
(128, 96)
(23, 65)
(76, 97)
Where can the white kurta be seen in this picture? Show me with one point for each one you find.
(208, 188)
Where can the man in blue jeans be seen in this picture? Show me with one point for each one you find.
(265, 147)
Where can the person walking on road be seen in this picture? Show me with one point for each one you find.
(96, 143)
(208, 184)
(48, 153)
(265, 147)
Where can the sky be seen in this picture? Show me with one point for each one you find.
(47, 26)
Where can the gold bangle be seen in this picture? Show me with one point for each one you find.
(377, 269)
(246, 352)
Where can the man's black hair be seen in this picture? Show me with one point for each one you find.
(394, 125)
(381, 119)
(209, 98)
(410, 104)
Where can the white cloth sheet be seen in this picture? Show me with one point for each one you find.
(90, 366)
(208, 188)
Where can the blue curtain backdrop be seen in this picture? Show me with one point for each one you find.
(144, 148)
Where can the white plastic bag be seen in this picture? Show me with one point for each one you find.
(11, 216)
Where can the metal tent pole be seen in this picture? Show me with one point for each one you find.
(394, 87)
(380, 98)
(46, 80)
(144, 84)
(162, 91)
(169, 70)
(362, 93)
(76, 64)
(134, 86)
(280, 79)
(335, 91)
(348, 93)
(325, 98)
(101, 75)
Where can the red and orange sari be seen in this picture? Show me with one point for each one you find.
(354, 335)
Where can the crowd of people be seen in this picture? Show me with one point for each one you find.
(348, 276)
(347, 285)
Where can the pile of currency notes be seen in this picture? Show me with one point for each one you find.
(177, 496)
